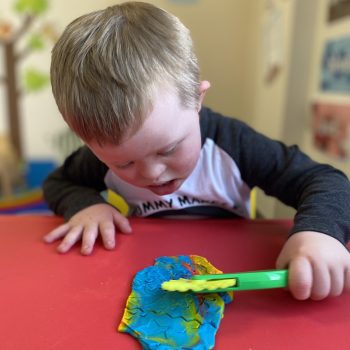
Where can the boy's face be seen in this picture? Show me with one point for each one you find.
(163, 152)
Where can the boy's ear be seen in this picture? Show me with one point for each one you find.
(203, 87)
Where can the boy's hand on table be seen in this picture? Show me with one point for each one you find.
(86, 225)
(318, 264)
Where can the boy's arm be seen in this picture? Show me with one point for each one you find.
(318, 261)
(76, 184)
(319, 192)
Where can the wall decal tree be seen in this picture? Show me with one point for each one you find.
(33, 79)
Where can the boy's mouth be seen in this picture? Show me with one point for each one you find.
(165, 187)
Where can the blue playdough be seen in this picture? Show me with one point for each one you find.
(171, 320)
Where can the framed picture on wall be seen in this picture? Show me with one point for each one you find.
(335, 74)
(338, 9)
(331, 129)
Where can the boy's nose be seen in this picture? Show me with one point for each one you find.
(152, 171)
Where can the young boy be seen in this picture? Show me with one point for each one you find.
(126, 81)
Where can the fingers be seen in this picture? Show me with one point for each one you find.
(122, 223)
(316, 282)
(90, 234)
(321, 282)
(347, 279)
(281, 263)
(107, 230)
(319, 265)
(71, 236)
(86, 226)
(70, 239)
(300, 278)
(57, 233)
(337, 283)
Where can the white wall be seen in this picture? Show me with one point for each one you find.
(269, 97)
(222, 34)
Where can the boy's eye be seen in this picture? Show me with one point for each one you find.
(124, 166)
(168, 151)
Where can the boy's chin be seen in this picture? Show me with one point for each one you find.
(167, 188)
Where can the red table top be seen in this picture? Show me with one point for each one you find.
(53, 301)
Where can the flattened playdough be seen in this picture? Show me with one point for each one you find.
(171, 320)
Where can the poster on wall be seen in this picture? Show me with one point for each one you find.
(335, 74)
(338, 9)
(331, 129)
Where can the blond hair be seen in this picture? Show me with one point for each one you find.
(107, 66)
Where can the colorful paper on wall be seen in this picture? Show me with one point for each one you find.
(169, 320)
(331, 129)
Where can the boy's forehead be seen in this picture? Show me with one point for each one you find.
(163, 100)
(166, 123)
(164, 112)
